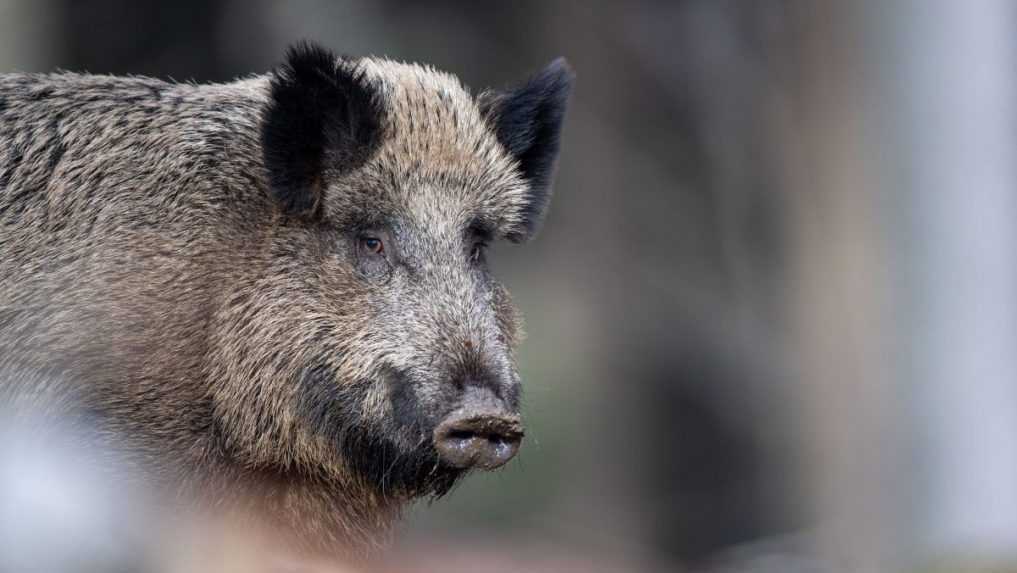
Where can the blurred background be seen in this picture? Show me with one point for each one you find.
(772, 314)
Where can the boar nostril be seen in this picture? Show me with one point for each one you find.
(481, 441)
(461, 435)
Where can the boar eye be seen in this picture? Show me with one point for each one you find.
(372, 245)
(372, 256)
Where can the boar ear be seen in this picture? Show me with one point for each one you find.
(527, 121)
(323, 116)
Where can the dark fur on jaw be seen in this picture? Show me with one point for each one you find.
(181, 260)
(367, 449)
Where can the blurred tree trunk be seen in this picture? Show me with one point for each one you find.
(839, 293)
(898, 157)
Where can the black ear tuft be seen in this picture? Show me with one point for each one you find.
(323, 116)
(528, 121)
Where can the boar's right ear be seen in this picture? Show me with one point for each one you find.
(527, 121)
(323, 116)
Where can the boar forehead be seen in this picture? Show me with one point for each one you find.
(439, 162)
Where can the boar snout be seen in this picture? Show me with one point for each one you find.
(482, 433)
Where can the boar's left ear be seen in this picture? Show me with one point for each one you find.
(323, 117)
(527, 121)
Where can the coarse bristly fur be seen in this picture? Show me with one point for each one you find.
(269, 292)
